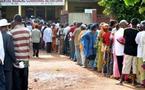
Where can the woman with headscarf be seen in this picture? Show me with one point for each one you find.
(99, 47)
(83, 30)
(106, 49)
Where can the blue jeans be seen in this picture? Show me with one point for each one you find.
(72, 50)
(92, 63)
(2, 78)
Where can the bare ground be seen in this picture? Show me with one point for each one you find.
(57, 72)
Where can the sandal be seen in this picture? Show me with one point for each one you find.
(119, 84)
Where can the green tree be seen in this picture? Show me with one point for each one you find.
(133, 3)
(120, 10)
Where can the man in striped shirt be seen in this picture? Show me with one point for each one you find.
(21, 38)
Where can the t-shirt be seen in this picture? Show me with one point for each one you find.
(36, 35)
(130, 47)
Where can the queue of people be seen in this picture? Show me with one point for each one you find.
(115, 49)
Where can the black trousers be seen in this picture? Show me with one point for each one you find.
(120, 63)
(20, 79)
(2, 78)
(36, 47)
(48, 47)
(9, 80)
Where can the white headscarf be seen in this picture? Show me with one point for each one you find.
(2, 54)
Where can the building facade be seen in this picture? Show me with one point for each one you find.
(46, 9)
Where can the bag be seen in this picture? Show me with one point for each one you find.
(121, 40)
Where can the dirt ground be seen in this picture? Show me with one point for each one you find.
(57, 72)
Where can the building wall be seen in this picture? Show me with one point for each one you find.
(80, 6)
(48, 13)
(9, 12)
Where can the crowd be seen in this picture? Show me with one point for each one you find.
(115, 49)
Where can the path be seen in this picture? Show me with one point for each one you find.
(57, 72)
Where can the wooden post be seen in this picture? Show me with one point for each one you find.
(20, 10)
(66, 5)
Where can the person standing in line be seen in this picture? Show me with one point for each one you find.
(99, 48)
(54, 37)
(118, 49)
(47, 37)
(10, 57)
(82, 56)
(42, 43)
(2, 55)
(22, 44)
(66, 39)
(61, 40)
(76, 43)
(88, 41)
(71, 42)
(130, 51)
(36, 36)
(106, 51)
(140, 40)
(29, 26)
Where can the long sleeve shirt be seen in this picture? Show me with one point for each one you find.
(140, 40)
(88, 41)
(2, 54)
(47, 35)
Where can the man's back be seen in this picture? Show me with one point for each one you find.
(21, 38)
(130, 44)
(36, 35)
(47, 35)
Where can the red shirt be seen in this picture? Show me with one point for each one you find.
(73, 28)
(106, 38)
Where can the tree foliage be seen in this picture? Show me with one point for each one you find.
(133, 3)
(126, 9)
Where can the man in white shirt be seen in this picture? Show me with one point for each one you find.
(140, 40)
(47, 37)
(2, 54)
(119, 48)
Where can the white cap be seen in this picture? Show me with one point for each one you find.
(83, 25)
(4, 22)
(123, 21)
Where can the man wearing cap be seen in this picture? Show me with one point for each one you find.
(9, 53)
(2, 55)
(21, 38)
(118, 49)
(130, 50)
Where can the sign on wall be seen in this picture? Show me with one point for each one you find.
(32, 2)
(89, 10)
